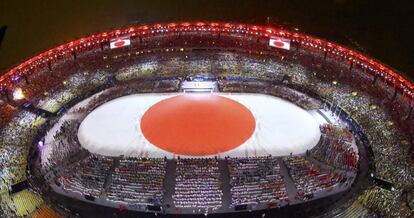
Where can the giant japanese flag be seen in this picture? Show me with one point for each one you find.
(280, 43)
(119, 42)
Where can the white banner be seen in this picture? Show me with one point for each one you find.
(120, 42)
(280, 43)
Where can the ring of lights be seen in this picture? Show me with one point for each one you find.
(305, 41)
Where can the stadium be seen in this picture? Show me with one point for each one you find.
(205, 119)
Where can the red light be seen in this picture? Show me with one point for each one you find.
(186, 24)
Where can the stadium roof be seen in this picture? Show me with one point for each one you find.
(306, 41)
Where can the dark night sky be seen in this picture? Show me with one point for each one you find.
(382, 28)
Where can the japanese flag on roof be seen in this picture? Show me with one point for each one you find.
(119, 42)
(279, 43)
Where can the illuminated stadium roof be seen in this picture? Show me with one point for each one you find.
(306, 41)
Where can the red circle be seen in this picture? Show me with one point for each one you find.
(278, 43)
(119, 43)
(197, 124)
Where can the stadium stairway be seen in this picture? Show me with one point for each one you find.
(108, 179)
(225, 182)
(290, 185)
(156, 85)
(169, 182)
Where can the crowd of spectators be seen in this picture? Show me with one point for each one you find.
(310, 179)
(256, 180)
(63, 145)
(336, 148)
(296, 97)
(15, 139)
(384, 202)
(138, 181)
(388, 143)
(197, 184)
(86, 177)
(381, 112)
(74, 86)
(13, 148)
